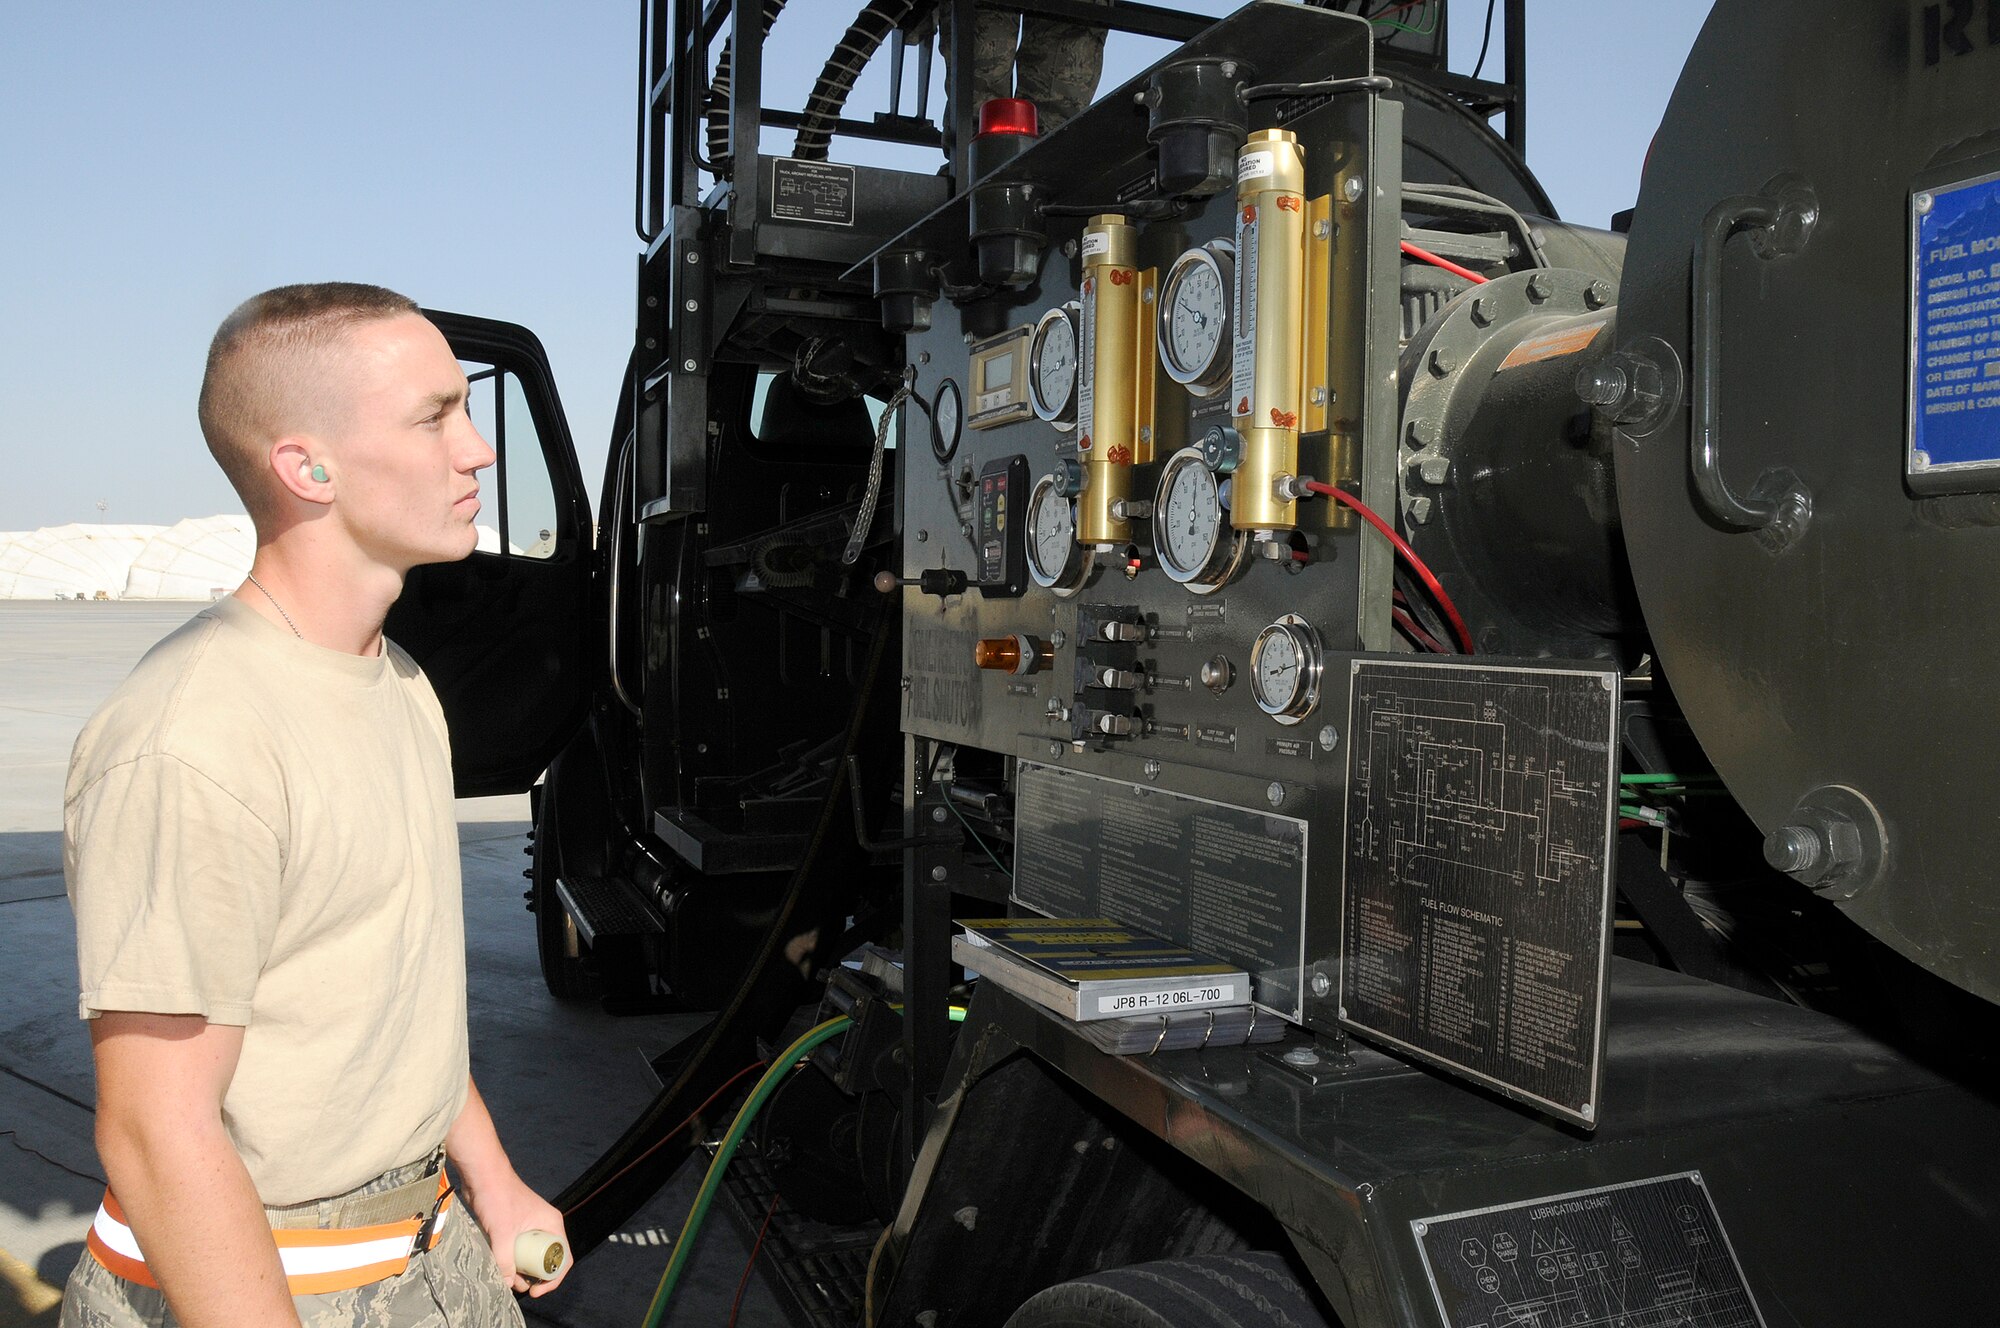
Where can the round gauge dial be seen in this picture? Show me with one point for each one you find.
(1285, 669)
(1191, 531)
(1052, 366)
(1055, 559)
(947, 419)
(1194, 325)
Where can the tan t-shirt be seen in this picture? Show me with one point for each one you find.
(261, 832)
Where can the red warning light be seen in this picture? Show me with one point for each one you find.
(1009, 115)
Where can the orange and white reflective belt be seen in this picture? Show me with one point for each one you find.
(315, 1261)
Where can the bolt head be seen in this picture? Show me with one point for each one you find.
(691, 305)
(1601, 384)
(1152, 768)
(1420, 509)
(1597, 294)
(1793, 848)
(1540, 288)
(1275, 794)
(938, 813)
(1351, 189)
(1422, 433)
(1329, 738)
(1301, 1056)
(1322, 230)
(693, 257)
(1817, 849)
(1319, 396)
(688, 366)
(1443, 362)
(1484, 310)
(1924, 203)
(1321, 984)
(938, 873)
(1436, 470)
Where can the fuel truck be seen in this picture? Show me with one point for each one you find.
(1546, 660)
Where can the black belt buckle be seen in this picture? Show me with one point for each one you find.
(422, 1240)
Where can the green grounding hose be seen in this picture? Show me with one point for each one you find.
(711, 1184)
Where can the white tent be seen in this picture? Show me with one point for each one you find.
(70, 561)
(198, 558)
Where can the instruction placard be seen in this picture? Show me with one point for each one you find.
(1954, 423)
(814, 191)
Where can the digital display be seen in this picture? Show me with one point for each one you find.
(999, 373)
(997, 396)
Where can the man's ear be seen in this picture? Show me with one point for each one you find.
(300, 470)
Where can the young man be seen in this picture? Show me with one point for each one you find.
(261, 850)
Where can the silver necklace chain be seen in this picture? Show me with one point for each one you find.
(279, 607)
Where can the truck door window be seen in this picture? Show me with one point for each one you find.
(762, 394)
(517, 510)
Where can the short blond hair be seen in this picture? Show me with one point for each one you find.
(268, 373)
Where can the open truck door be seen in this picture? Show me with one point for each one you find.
(504, 635)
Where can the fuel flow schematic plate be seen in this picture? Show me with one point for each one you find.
(1476, 901)
(1648, 1254)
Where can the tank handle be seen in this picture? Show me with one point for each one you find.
(1779, 222)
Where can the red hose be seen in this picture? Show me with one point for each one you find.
(1427, 256)
(1409, 555)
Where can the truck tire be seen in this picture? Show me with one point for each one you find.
(1242, 1290)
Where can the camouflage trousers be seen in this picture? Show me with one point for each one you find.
(454, 1284)
(1053, 64)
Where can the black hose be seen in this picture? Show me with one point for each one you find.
(716, 106)
(653, 1148)
(851, 54)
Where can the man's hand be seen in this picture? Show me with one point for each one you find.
(506, 1209)
(498, 1197)
(184, 1190)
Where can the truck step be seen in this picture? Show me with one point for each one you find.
(819, 1269)
(607, 906)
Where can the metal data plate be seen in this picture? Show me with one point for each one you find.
(1650, 1252)
(814, 191)
(1226, 880)
(1476, 895)
(1954, 402)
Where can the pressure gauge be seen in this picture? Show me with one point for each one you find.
(1191, 533)
(1052, 366)
(1285, 669)
(1193, 331)
(1055, 559)
(947, 420)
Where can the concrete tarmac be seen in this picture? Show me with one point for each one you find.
(562, 1081)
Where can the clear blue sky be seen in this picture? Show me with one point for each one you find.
(163, 161)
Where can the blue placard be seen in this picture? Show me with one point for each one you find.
(1955, 350)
